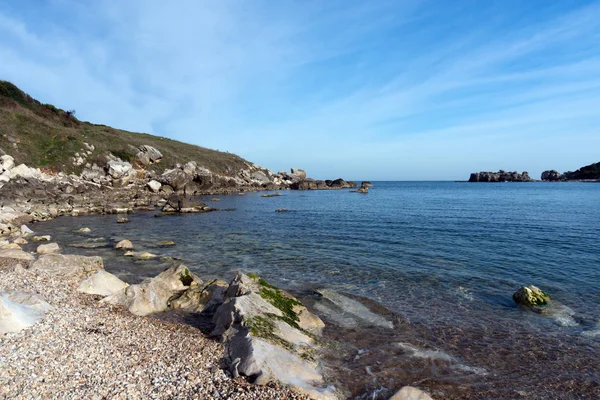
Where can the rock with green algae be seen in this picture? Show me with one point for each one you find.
(155, 294)
(531, 296)
(270, 335)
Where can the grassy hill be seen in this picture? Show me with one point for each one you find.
(47, 137)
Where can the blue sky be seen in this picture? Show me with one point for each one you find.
(380, 90)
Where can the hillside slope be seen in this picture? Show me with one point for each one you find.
(41, 135)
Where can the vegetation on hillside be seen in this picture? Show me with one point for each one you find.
(48, 137)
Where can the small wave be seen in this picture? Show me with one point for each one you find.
(562, 314)
(424, 353)
(440, 355)
(465, 293)
(594, 332)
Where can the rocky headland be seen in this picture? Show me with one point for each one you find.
(588, 173)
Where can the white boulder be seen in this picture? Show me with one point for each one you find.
(20, 310)
(102, 283)
(118, 169)
(410, 393)
(154, 186)
(51, 248)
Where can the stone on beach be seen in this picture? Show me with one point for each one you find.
(153, 294)
(67, 265)
(102, 283)
(20, 310)
(20, 241)
(16, 254)
(410, 393)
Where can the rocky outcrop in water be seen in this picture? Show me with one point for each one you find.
(531, 296)
(311, 184)
(551, 176)
(588, 173)
(500, 176)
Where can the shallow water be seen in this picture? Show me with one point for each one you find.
(442, 257)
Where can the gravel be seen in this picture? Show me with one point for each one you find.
(86, 350)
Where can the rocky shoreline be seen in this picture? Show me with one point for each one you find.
(256, 341)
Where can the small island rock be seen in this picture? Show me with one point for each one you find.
(530, 296)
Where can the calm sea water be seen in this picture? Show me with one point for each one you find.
(444, 258)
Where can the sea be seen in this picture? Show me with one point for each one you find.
(437, 262)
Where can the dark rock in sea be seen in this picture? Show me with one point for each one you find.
(530, 296)
(551, 175)
(306, 184)
(500, 176)
(182, 204)
(311, 184)
(123, 220)
(366, 184)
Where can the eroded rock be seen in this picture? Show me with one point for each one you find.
(155, 294)
(270, 335)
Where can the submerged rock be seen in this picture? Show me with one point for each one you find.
(530, 296)
(44, 238)
(20, 310)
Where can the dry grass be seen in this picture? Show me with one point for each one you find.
(48, 137)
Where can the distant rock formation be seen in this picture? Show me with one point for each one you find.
(551, 175)
(500, 176)
(311, 184)
(588, 173)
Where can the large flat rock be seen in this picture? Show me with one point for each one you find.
(20, 310)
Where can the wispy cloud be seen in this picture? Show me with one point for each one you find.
(388, 90)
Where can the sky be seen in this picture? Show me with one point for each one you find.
(374, 90)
